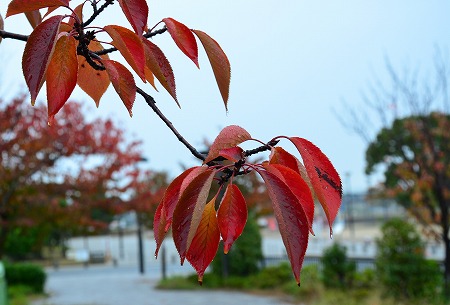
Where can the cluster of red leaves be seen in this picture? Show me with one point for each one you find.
(66, 54)
(188, 208)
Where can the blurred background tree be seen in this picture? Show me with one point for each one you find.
(57, 181)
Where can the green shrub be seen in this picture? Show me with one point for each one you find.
(245, 255)
(25, 274)
(310, 286)
(271, 277)
(365, 279)
(337, 270)
(403, 271)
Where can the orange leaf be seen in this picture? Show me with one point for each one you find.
(22, 6)
(157, 62)
(219, 63)
(205, 243)
(34, 18)
(123, 82)
(164, 213)
(232, 215)
(61, 74)
(136, 12)
(183, 38)
(130, 46)
(189, 210)
(38, 51)
(291, 220)
(324, 178)
(229, 137)
(93, 82)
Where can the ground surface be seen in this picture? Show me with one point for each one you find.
(108, 285)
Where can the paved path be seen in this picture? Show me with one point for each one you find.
(107, 285)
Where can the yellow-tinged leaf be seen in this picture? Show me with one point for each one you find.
(93, 82)
(219, 63)
(204, 246)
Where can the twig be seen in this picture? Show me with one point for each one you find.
(262, 148)
(147, 35)
(6, 34)
(151, 102)
(97, 12)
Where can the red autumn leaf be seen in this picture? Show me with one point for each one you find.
(183, 37)
(233, 153)
(22, 6)
(324, 177)
(291, 220)
(189, 210)
(123, 82)
(219, 63)
(229, 137)
(130, 46)
(232, 215)
(61, 74)
(299, 188)
(93, 82)
(38, 51)
(136, 12)
(279, 156)
(164, 213)
(206, 240)
(157, 62)
(34, 18)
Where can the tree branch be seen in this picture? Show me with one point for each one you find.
(147, 35)
(97, 12)
(15, 36)
(151, 102)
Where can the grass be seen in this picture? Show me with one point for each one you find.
(21, 295)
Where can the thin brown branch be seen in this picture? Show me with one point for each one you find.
(151, 102)
(15, 36)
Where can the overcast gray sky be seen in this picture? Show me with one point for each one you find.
(292, 63)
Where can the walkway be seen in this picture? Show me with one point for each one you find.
(107, 285)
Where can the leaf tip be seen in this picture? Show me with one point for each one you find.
(226, 248)
(51, 120)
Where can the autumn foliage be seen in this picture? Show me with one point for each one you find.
(60, 175)
(188, 208)
(63, 51)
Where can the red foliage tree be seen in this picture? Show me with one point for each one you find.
(63, 51)
(37, 183)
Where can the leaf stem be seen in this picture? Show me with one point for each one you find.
(151, 102)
